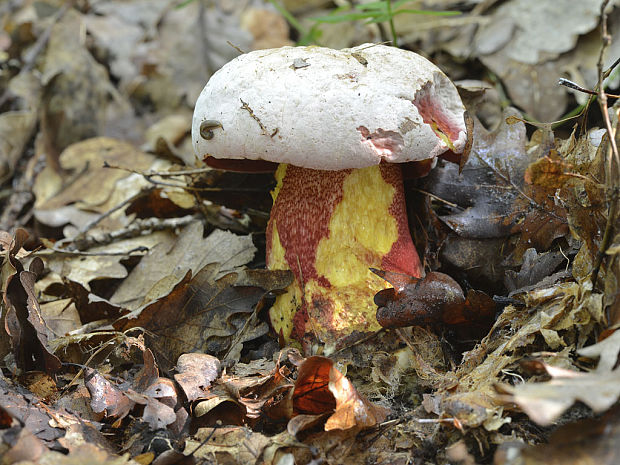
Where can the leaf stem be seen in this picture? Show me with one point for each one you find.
(391, 21)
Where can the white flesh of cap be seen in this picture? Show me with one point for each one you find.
(329, 109)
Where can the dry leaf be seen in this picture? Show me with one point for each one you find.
(545, 402)
(206, 314)
(168, 261)
(321, 388)
(196, 373)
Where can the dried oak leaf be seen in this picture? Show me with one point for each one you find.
(590, 441)
(24, 323)
(545, 402)
(320, 388)
(482, 196)
(196, 373)
(157, 394)
(86, 453)
(26, 408)
(236, 445)
(105, 396)
(90, 307)
(258, 390)
(170, 259)
(204, 314)
(433, 300)
(606, 351)
(76, 88)
(544, 219)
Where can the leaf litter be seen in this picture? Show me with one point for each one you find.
(133, 315)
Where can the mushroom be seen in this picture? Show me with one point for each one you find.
(338, 123)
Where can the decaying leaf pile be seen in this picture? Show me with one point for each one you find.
(134, 294)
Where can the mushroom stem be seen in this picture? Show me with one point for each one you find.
(329, 228)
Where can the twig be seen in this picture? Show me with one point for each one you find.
(149, 177)
(246, 107)
(575, 86)
(135, 229)
(97, 254)
(100, 218)
(235, 47)
(439, 199)
(613, 175)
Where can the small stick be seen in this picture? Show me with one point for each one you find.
(575, 86)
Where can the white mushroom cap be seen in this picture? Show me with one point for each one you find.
(329, 109)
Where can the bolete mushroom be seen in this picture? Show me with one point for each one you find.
(338, 123)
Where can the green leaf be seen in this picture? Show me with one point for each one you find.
(427, 12)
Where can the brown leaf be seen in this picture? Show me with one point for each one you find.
(203, 314)
(545, 402)
(550, 171)
(40, 384)
(321, 388)
(312, 395)
(27, 448)
(75, 88)
(545, 219)
(86, 159)
(24, 323)
(590, 441)
(170, 259)
(196, 373)
(260, 392)
(27, 409)
(105, 396)
(434, 299)
(231, 445)
(89, 306)
(483, 195)
(157, 414)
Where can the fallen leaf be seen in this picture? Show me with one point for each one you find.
(589, 441)
(235, 445)
(196, 373)
(434, 300)
(86, 159)
(429, 301)
(106, 397)
(206, 314)
(168, 261)
(320, 388)
(535, 268)
(29, 412)
(545, 402)
(76, 88)
(483, 195)
(606, 351)
(23, 321)
(26, 448)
